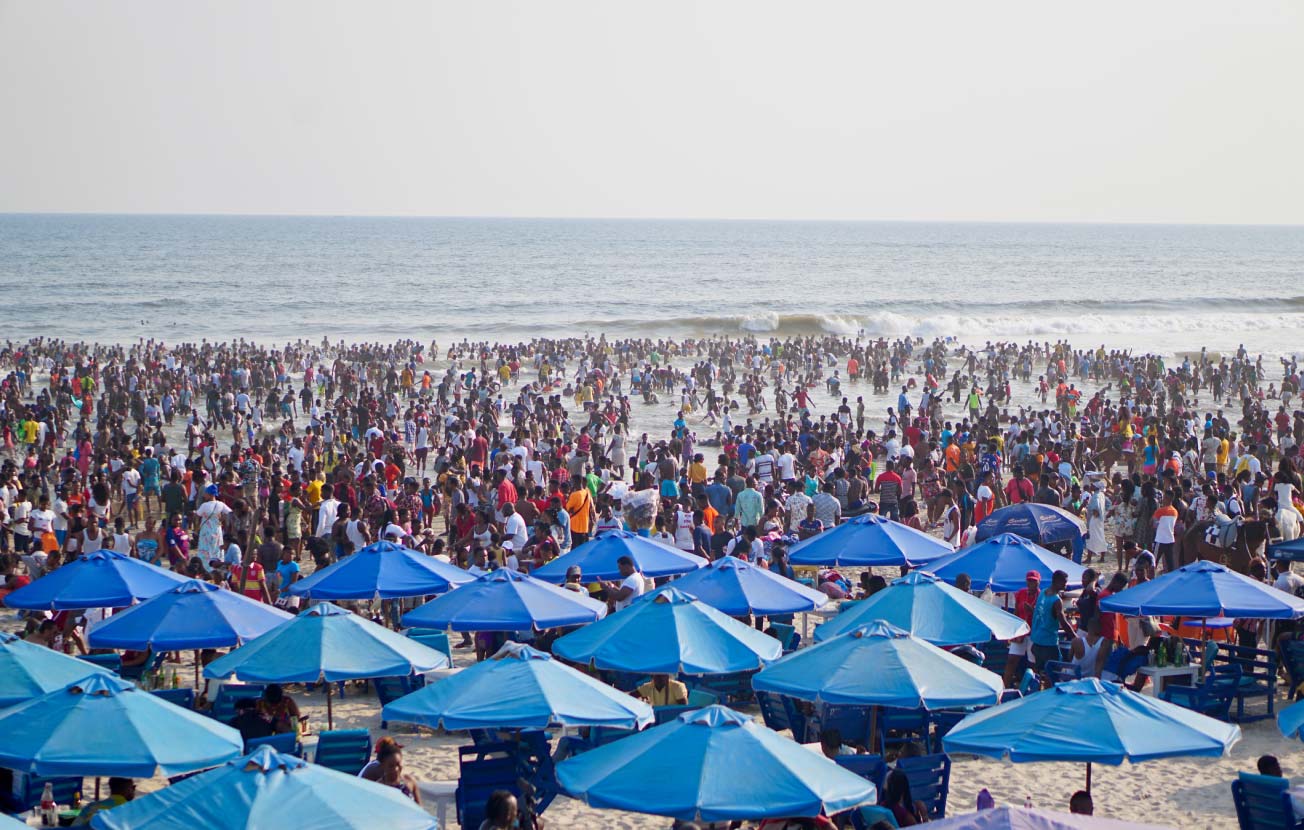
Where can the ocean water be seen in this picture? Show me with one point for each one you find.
(1164, 288)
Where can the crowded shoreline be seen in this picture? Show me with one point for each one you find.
(253, 467)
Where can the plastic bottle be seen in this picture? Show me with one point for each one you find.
(49, 811)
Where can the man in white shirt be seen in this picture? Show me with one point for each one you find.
(1286, 579)
(630, 587)
(327, 511)
(787, 464)
(514, 529)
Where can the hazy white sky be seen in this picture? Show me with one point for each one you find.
(1154, 111)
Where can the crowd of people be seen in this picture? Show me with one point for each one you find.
(230, 462)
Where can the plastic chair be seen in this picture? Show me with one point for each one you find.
(1029, 683)
(1061, 672)
(772, 711)
(1263, 803)
(389, 689)
(787, 635)
(797, 721)
(930, 781)
(872, 768)
(185, 698)
(152, 663)
(286, 743)
(1292, 654)
(852, 722)
(437, 640)
(344, 750)
(28, 788)
(224, 704)
(1213, 696)
(111, 661)
(901, 726)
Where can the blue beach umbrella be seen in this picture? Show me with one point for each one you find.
(519, 688)
(193, 615)
(384, 570)
(1090, 721)
(710, 765)
(103, 725)
(597, 559)
(671, 633)
(869, 541)
(739, 588)
(504, 600)
(326, 643)
(1206, 589)
(103, 579)
(7, 823)
(1002, 564)
(1292, 551)
(930, 609)
(268, 789)
(1044, 524)
(28, 670)
(880, 665)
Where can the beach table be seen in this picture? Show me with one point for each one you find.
(1161, 675)
(828, 612)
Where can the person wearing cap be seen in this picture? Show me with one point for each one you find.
(1025, 600)
(1097, 508)
(573, 580)
(212, 515)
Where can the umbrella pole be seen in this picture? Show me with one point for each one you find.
(197, 671)
(873, 729)
(330, 714)
(1088, 778)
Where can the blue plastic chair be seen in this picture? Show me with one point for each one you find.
(1060, 672)
(1213, 696)
(852, 722)
(286, 743)
(797, 721)
(27, 791)
(223, 708)
(152, 663)
(1263, 803)
(772, 711)
(344, 750)
(901, 726)
(111, 661)
(185, 698)
(787, 635)
(389, 689)
(437, 640)
(930, 781)
(1030, 683)
(872, 768)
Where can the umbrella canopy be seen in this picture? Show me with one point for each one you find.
(1042, 523)
(869, 541)
(384, 570)
(738, 588)
(1022, 818)
(519, 688)
(504, 600)
(28, 670)
(597, 558)
(712, 765)
(931, 610)
(671, 633)
(1206, 589)
(880, 665)
(327, 643)
(268, 789)
(1002, 564)
(1291, 719)
(1089, 721)
(1292, 551)
(103, 725)
(7, 823)
(103, 579)
(194, 614)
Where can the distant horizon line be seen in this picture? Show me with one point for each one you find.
(758, 220)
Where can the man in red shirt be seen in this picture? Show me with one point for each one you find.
(1018, 489)
(1025, 600)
